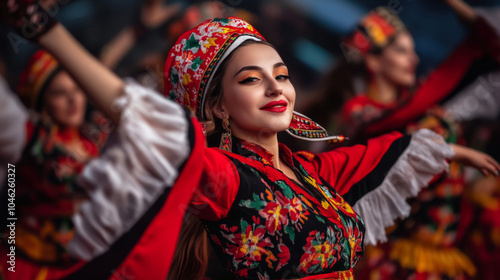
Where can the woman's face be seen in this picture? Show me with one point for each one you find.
(64, 101)
(256, 92)
(398, 61)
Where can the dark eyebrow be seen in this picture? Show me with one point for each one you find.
(252, 67)
(279, 64)
(246, 68)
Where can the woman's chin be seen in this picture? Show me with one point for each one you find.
(70, 122)
(279, 124)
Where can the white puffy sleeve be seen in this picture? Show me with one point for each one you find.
(142, 159)
(13, 118)
(377, 177)
(425, 157)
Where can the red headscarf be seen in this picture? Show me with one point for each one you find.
(40, 70)
(196, 56)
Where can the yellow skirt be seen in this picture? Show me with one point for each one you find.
(423, 258)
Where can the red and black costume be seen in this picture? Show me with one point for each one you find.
(425, 245)
(261, 223)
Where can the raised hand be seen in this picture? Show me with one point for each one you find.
(463, 10)
(480, 161)
(33, 22)
(27, 17)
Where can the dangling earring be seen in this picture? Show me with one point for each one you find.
(226, 141)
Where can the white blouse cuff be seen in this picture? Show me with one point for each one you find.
(425, 157)
(13, 119)
(140, 161)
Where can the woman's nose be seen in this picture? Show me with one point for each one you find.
(274, 88)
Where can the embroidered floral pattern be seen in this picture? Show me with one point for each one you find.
(46, 188)
(281, 212)
(433, 225)
(195, 56)
(282, 229)
(250, 245)
(321, 251)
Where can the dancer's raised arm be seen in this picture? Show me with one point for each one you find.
(463, 10)
(101, 85)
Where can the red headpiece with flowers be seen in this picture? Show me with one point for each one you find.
(374, 31)
(196, 56)
(39, 72)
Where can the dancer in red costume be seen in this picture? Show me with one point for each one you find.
(56, 143)
(270, 213)
(425, 245)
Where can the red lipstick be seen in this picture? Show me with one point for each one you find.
(275, 106)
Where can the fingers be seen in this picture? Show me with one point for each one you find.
(484, 171)
(496, 165)
(491, 166)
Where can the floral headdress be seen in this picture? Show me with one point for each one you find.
(196, 56)
(374, 31)
(41, 68)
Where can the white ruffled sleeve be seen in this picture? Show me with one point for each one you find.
(425, 157)
(141, 159)
(13, 119)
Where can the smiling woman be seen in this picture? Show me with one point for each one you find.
(269, 213)
(274, 214)
(64, 101)
(258, 93)
(259, 96)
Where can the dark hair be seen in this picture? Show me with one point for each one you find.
(346, 79)
(337, 86)
(377, 50)
(40, 100)
(191, 253)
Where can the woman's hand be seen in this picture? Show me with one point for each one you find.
(463, 10)
(480, 161)
(154, 13)
(100, 85)
(28, 18)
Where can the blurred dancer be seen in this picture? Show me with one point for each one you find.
(392, 98)
(423, 246)
(57, 144)
(269, 213)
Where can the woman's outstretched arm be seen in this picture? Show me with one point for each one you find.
(36, 24)
(476, 159)
(100, 84)
(463, 10)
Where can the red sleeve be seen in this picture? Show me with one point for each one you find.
(30, 129)
(484, 39)
(218, 186)
(439, 84)
(147, 249)
(344, 167)
(349, 110)
(359, 111)
(352, 111)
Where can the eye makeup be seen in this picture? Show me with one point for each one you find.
(249, 77)
(253, 73)
(281, 72)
